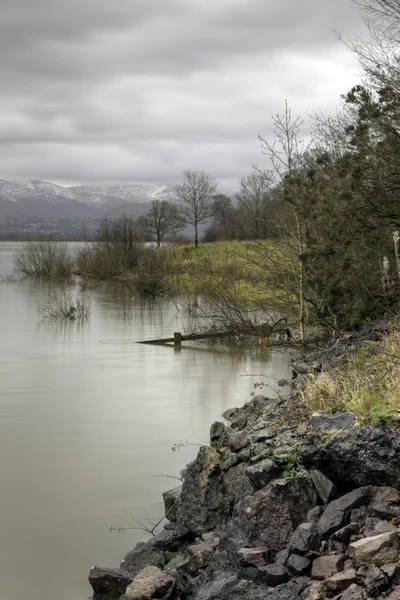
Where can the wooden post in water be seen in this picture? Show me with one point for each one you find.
(177, 339)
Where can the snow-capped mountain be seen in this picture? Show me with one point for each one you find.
(36, 198)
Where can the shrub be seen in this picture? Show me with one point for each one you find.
(63, 305)
(47, 259)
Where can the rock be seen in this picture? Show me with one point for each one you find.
(201, 496)
(305, 538)
(274, 574)
(228, 459)
(337, 513)
(392, 570)
(109, 584)
(261, 473)
(358, 456)
(325, 566)
(376, 550)
(353, 592)
(282, 556)
(202, 553)
(262, 435)
(238, 442)
(314, 514)
(271, 515)
(253, 557)
(326, 490)
(235, 485)
(341, 581)
(286, 591)
(298, 565)
(376, 581)
(224, 586)
(340, 421)
(384, 527)
(149, 583)
(217, 431)
(395, 595)
(343, 535)
(143, 554)
(316, 591)
(171, 502)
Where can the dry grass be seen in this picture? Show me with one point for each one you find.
(369, 385)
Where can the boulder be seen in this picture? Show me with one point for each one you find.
(337, 514)
(171, 503)
(143, 554)
(340, 581)
(225, 586)
(298, 565)
(238, 442)
(235, 485)
(217, 433)
(267, 433)
(253, 557)
(149, 583)
(109, 584)
(316, 591)
(326, 490)
(353, 592)
(376, 581)
(261, 473)
(345, 453)
(271, 515)
(377, 550)
(201, 499)
(392, 570)
(305, 538)
(274, 575)
(325, 566)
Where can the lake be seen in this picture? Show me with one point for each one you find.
(88, 420)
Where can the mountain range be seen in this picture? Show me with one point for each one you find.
(43, 200)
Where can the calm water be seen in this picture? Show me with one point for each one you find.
(87, 422)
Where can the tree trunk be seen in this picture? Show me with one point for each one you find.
(196, 236)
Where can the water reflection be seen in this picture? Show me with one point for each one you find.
(86, 415)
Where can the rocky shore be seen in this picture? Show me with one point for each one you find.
(282, 505)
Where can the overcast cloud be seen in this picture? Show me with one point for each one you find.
(138, 90)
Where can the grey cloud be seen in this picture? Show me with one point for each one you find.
(141, 89)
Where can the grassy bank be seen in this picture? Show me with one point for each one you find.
(367, 384)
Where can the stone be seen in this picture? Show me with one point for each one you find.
(305, 538)
(321, 420)
(316, 591)
(253, 557)
(262, 435)
(395, 595)
(274, 574)
(376, 581)
(353, 592)
(235, 485)
(340, 581)
(326, 490)
(217, 431)
(149, 583)
(365, 456)
(298, 565)
(282, 556)
(228, 459)
(314, 514)
(171, 503)
(286, 591)
(343, 535)
(201, 496)
(143, 554)
(109, 583)
(225, 586)
(238, 442)
(376, 550)
(271, 515)
(261, 473)
(392, 570)
(384, 527)
(325, 566)
(337, 512)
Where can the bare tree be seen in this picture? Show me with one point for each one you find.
(253, 194)
(195, 194)
(162, 218)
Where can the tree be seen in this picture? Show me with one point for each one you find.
(162, 218)
(195, 194)
(224, 223)
(253, 195)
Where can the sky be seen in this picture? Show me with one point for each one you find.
(99, 91)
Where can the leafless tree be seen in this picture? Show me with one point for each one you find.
(195, 194)
(163, 218)
(253, 194)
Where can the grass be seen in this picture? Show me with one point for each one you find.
(64, 305)
(368, 385)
